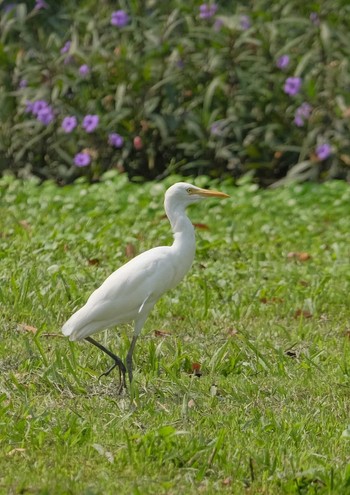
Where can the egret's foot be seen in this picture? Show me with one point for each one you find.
(106, 373)
(117, 362)
(122, 373)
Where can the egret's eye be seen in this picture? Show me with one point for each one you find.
(189, 190)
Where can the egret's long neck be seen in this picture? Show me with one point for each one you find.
(184, 238)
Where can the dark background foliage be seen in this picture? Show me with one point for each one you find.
(201, 96)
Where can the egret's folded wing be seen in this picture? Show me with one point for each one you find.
(124, 294)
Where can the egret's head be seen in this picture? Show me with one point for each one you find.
(185, 194)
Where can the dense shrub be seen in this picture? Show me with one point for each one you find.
(221, 89)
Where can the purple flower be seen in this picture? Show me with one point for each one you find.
(218, 25)
(115, 140)
(38, 106)
(245, 22)
(304, 110)
(90, 122)
(41, 110)
(40, 4)
(46, 115)
(29, 107)
(69, 123)
(206, 10)
(298, 121)
(23, 83)
(302, 113)
(66, 47)
(84, 70)
(323, 151)
(314, 18)
(292, 85)
(282, 61)
(119, 18)
(82, 159)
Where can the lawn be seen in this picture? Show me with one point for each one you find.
(264, 313)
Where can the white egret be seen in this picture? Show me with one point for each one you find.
(130, 293)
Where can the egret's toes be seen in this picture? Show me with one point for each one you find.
(106, 373)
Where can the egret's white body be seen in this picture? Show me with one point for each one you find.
(130, 293)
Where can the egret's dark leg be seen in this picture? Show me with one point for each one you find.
(129, 357)
(117, 362)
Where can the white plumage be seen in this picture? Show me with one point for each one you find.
(130, 293)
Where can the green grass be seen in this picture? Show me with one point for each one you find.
(270, 331)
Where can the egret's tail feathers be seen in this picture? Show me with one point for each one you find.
(79, 332)
(78, 326)
(68, 329)
(81, 325)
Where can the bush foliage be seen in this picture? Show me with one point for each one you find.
(187, 87)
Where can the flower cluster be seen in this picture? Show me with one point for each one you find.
(40, 4)
(69, 124)
(74, 50)
(41, 110)
(66, 47)
(115, 140)
(245, 22)
(119, 18)
(292, 85)
(82, 159)
(89, 124)
(84, 70)
(206, 11)
(283, 61)
(323, 151)
(302, 113)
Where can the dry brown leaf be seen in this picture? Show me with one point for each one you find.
(187, 93)
(300, 256)
(28, 328)
(162, 333)
(271, 300)
(196, 369)
(345, 158)
(93, 261)
(302, 312)
(232, 332)
(92, 152)
(191, 404)
(25, 224)
(202, 226)
(144, 125)
(303, 256)
(227, 481)
(130, 250)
